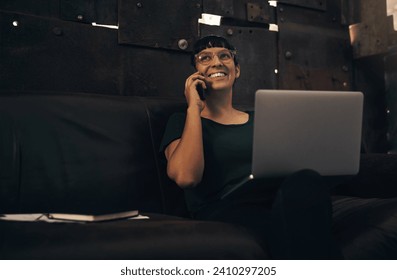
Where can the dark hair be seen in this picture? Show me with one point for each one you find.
(212, 41)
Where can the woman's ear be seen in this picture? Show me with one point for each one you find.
(237, 71)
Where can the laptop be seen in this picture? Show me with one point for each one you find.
(297, 129)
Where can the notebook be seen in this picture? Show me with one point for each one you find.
(295, 130)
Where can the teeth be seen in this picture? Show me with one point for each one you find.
(217, 75)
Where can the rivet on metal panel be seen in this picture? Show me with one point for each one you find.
(282, 19)
(288, 55)
(229, 32)
(281, 9)
(80, 17)
(183, 44)
(345, 84)
(345, 68)
(139, 5)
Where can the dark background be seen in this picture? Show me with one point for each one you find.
(52, 46)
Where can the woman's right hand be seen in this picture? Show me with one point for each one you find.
(191, 93)
(185, 156)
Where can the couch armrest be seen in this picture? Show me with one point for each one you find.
(377, 177)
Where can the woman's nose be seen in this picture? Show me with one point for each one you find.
(216, 61)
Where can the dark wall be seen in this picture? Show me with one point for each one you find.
(373, 40)
(50, 45)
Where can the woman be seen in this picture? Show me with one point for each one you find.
(209, 149)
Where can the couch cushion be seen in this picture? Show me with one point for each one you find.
(376, 178)
(159, 110)
(161, 237)
(76, 153)
(366, 228)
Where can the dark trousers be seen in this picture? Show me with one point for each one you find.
(291, 216)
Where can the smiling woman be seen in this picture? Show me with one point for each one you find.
(209, 150)
(217, 68)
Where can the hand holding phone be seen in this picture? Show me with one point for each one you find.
(195, 87)
(201, 91)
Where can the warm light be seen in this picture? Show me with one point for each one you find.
(353, 35)
(391, 10)
(105, 26)
(273, 27)
(15, 23)
(276, 71)
(210, 19)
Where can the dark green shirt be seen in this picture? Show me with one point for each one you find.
(227, 156)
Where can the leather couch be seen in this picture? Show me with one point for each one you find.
(95, 154)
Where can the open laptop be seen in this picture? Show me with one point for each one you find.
(295, 130)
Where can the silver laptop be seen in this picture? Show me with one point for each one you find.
(318, 130)
(295, 130)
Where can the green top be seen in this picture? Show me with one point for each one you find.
(227, 156)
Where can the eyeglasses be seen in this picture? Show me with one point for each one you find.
(206, 57)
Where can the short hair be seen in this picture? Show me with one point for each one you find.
(212, 41)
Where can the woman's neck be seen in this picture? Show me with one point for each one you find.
(219, 108)
(218, 104)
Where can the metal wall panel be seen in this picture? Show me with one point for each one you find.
(391, 98)
(106, 12)
(42, 8)
(329, 18)
(260, 13)
(47, 54)
(350, 13)
(163, 24)
(314, 52)
(313, 4)
(78, 10)
(369, 78)
(241, 10)
(41, 54)
(223, 8)
(88, 11)
(370, 35)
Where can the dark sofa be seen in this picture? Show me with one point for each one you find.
(93, 154)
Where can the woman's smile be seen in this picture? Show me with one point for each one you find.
(217, 74)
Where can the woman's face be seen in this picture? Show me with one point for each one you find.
(218, 68)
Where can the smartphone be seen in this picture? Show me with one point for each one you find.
(201, 92)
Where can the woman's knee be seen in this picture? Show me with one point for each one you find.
(302, 188)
